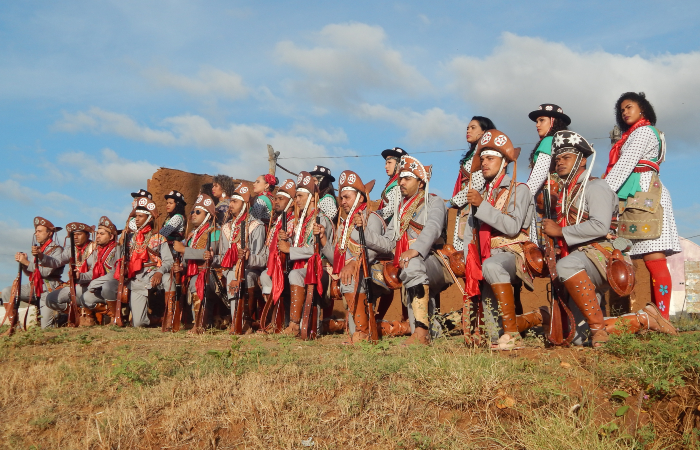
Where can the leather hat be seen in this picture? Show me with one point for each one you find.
(105, 222)
(350, 180)
(177, 196)
(410, 165)
(288, 187)
(497, 141)
(325, 171)
(146, 205)
(565, 140)
(549, 110)
(142, 193)
(78, 226)
(397, 152)
(47, 223)
(242, 192)
(205, 203)
(306, 182)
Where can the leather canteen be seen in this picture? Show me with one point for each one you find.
(620, 274)
(335, 290)
(534, 259)
(456, 259)
(391, 276)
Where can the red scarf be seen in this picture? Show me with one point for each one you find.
(338, 254)
(473, 263)
(402, 243)
(79, 257)
(98, 269)
(617, 148)
(36, 275)
(139, 256)
(192, 268)
(274, 261)
(231, 256)
(382, 204)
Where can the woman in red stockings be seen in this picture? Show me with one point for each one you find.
(634, 160)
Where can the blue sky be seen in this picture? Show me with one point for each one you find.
(97, 95)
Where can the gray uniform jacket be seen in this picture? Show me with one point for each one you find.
(425, 241)
(255, 241)
(520, 212)
(51, 271)
(306, 250)
(375, 224)
(601, 203)
(63, 258)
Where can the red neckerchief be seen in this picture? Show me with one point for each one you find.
(562, 220)
(460, 179)
(99, 269)
(473, 273)
(194, 238)
(382, 204)
(274, 261)
(617, 148)
(402, 243)
(231, 256)
(338, 254)
(139, 255)
(311, 217)
(36, 275)
(80, 257)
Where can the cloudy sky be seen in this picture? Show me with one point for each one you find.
(95, 96)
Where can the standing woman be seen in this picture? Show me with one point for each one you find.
(262, 189)
(222, 188)
(174, 227)
(391, 195)
(549, 118)
(327, 200)
(475, 129)
(633, 172)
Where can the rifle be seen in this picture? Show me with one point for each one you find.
(122, 290)
(557, 293)
(13, 309)
(309, 318)
(173, 308)
(278, 308)
(237, 319)
(367, 280)
(201, 314)
(73, 310)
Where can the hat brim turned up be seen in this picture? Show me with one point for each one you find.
(391, 152)
(544, 113)
(316, 172)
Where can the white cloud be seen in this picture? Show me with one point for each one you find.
(433, 124)
(112, 168)
(348, 61)
(14, 239)
(423, 18)
(209, 82)
(524, 72)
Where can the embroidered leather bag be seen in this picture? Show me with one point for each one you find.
(643, 215)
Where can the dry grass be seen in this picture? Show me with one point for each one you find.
(111, 388)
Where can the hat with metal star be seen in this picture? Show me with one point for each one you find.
(142, 193)
(549, 110)
(107, 224)
(78, 226)
(46, 223)
(323, 171)
(177, 196)
(396, 152)
(146, 206)
(411, 167)
(306, 182)
(495, 143)
(570, 142)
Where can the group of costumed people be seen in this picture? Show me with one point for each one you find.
(273, 257)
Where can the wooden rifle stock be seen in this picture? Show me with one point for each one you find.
(173, 310)
(367, 280)
(13, 309)
(122, 290)
(201, 314)
(557, 293)
(73, 311)
(309, 318)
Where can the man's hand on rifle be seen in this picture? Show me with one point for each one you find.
(359, 220)
(76, 272)
(246, 253)
(282, 236)
(551, 229)
(406, 257)
(177, 267)
(348, 272)
(22, 258)
(207, 255)
(283, 246)
(156, 279)
(179, 247)
(474, 198)
(321, 230)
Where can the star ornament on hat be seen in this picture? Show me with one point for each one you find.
(45, 223)
(494, 143)
(142, 193)
(145, 205)
(411, 167)
(78, 226)
(107, 224)
(287, 189)
(307, 183)
(323, 171)
(242, 193)
(570, 142)
(396, 152)
(206, 204)
(550, 110)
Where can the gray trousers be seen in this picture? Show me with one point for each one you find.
(297, 276)
(569, 266)
(429, 272)
(265, 282)
(59, 299)
(99, 291)
(48, 316)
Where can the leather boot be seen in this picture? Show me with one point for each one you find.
(296, 306)
(111, 309)
(332, 326)
(647, 318)
(196, 307)
(248, 308)
(532, 319)
(87, 318)
(384, 328)
(582, 291)
(420, 299)
(506, 302)
(101, 314)
(400, 328)
(361, 319)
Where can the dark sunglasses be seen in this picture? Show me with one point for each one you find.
(197, 211)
